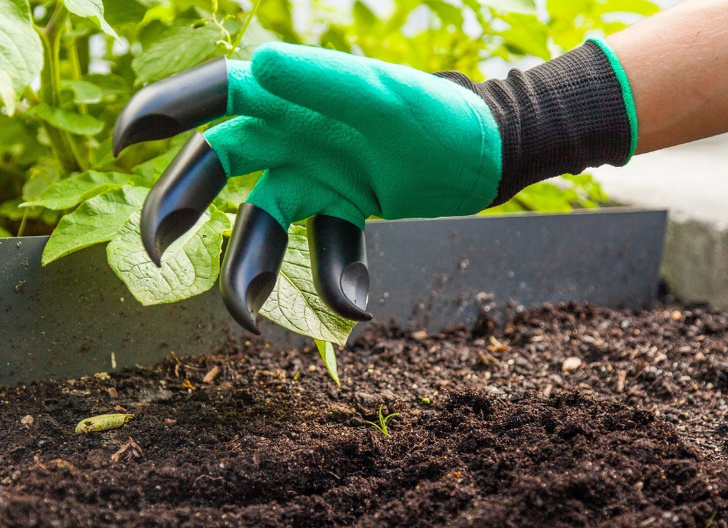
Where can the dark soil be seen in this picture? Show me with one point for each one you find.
(516, 433)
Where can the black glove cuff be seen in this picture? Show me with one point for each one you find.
(560, 117)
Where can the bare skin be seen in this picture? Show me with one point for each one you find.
(677, 65)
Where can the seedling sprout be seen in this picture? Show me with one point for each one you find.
(382, 425)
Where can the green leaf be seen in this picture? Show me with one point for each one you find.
(511, 6)
(112, 86)
(527, 34)
(19, 141)
(21, 52)
(97, 220)
(254, 36)
(190, 266)
(544, 197)
(93, 9)
(9, 209)
(7, 93)
(75, 189)
(4, 233)
(84, 125)
(328, 354)
(641, 7)
(120, 12)
(84, 92)
(152, 169)
(41, 175)
(448, 13)
(235, 192)
(294, 303)
(176, 49)
(364, 18)
(277, 16)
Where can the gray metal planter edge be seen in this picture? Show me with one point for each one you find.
(68, 318)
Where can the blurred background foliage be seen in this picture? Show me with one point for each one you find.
(60, 101)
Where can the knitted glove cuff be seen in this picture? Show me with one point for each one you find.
(565, 115)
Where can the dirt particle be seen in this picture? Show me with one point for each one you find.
(570, 364)
(211, 375)
(419, 335)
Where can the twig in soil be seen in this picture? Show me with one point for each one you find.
(382, 425)
(130, 449)
(207, 477)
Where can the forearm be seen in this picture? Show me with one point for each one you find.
(677, 65)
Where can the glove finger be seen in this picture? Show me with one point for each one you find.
(246, 97)
(245, 145)
(341, 86)
(290, 195)
(339, 265)
(251, 264)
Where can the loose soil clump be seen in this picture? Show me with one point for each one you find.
(566, 416)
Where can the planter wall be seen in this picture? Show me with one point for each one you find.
(68, 318)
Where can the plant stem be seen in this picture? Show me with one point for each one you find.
(21, 229)
(241, 32)
(31, 96)
(49, 86)
(76, 66)
(51, 90)
(76, 147)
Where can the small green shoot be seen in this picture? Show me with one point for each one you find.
(426, 400)
(711, 519)
(382, 425)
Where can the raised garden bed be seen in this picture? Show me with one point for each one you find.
(68, 318)
(569, 416)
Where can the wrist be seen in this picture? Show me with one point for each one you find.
(563, 116)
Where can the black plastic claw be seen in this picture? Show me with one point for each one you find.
(181, 196)
(175, 104)
(251, 265)
(339, 265)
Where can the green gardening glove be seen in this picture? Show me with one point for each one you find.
(342, 138)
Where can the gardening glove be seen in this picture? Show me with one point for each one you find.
(342, 138)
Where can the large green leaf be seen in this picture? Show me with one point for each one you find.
(93, 9)
(294, 303)
(75, 189)
(97, 220)
(21, 52)
(190, 266)
(84, 125)
(176, 49)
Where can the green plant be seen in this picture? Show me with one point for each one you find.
(382, 425)
(82, 60)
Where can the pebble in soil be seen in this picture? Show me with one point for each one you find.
(563, 416)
